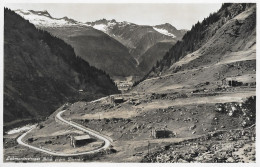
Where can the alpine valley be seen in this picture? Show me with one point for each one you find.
(119, 48)
(110, 91)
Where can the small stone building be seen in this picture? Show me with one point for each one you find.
(116, 100)
(231, 82)
(162, 133)
(77, 141)
(241, 80)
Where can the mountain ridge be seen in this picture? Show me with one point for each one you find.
(94, 46)
(204, 34)
(136, 38)
(42, 72)
(222, 46)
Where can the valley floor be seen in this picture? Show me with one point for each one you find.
(186, 115)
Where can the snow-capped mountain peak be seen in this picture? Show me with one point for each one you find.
(44, 19)
(106, 25)
(41, 13)
(101, 27)
(164, 32)
(169, 30)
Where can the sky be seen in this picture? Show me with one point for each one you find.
(180, 15)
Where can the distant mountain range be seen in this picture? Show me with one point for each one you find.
(44, 19)
(138, 38)
(104, 42)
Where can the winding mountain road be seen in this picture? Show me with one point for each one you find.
(107, 140)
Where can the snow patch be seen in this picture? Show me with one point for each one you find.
(44, 20)
(101, 27)
(21, 129)
(104, 27)
(164, 32)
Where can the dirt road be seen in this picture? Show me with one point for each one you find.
(107, 140)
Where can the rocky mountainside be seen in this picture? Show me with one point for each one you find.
(138, 38)
(92, 45)
(147, 44)
(225, 33)
(42, 72)
(222, 46)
